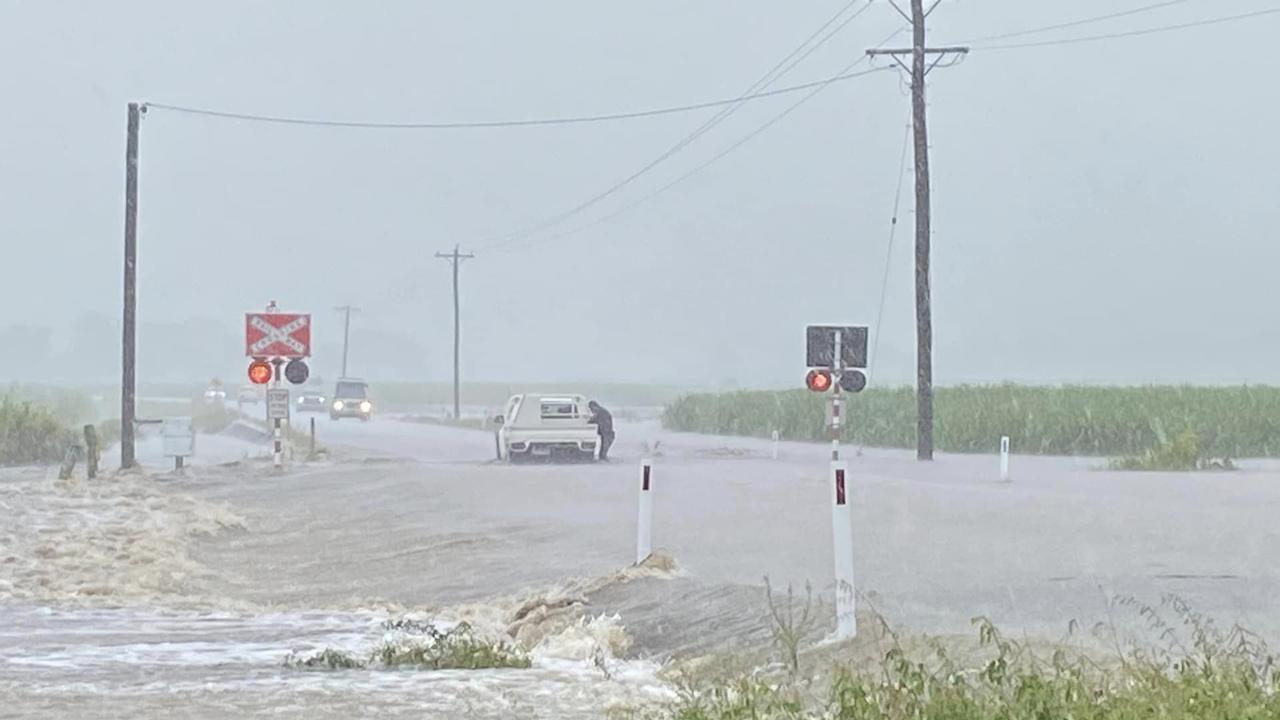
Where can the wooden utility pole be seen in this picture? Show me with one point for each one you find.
(455, 258)
(128, 380)
(346, 332)
(920, 66)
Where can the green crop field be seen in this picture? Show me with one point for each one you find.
(1072, 420)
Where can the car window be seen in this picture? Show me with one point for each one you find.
(552, 410)
(351, 390)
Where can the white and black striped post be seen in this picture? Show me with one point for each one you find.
(1004, 459)
(644, 520)
(842, 537)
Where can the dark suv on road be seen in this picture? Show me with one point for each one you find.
(351, 399)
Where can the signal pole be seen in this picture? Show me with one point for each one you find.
(128, 380)
(455, 258)
(920, 52)
(346, 332)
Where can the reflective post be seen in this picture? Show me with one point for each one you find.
(842, 542)
(644, 522)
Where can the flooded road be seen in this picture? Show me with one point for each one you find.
(162, 596)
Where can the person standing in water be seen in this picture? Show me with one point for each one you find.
(603, 421)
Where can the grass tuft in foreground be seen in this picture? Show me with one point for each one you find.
(1211, 675)
(427, 648)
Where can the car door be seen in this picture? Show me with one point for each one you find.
(508, 418)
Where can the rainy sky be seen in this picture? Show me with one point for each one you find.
(1104, 212)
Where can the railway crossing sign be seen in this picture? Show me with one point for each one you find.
(277, 335)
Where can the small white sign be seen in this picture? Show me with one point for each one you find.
(278, 403)
(178, 437)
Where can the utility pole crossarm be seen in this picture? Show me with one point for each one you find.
(939, 54)
(958, 50)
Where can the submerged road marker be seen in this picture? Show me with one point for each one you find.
(644, 521)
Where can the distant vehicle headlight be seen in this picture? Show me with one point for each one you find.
(338, 405)
(366, 406)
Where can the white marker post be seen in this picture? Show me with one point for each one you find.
(775, 444)
(278, 444)
(644, 522)
(1004, 459)
(842, 537)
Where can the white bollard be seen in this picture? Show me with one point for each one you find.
(842, 537)
(1004, 459)
(277, 443)
(775, 444)
(644, 523)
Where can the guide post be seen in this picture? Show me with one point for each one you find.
(644, 521)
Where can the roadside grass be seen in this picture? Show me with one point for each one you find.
(1228, 422)
(31, 433)
(424, 647)
(70, 406)
(1181, 454)
(1199, 673)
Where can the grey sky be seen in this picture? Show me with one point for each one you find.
(1103, 212)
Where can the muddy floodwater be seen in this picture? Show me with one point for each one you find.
(153, 595)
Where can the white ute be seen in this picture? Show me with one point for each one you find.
(547, 426)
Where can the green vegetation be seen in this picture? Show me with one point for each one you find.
(70, 407)
(1182, 453)
(1072, 420)
(428, 648)
(1218, 676)
(31, 433)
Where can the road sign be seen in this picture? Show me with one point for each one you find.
(820, 343)
(283, 335)
(277, 403)
(177, 437)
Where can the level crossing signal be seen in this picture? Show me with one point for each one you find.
(819, 380)
(260, 372)
(836, 356)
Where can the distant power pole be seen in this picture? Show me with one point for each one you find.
(455, 258)
(346, 332)
(920, 53)
(128, 380)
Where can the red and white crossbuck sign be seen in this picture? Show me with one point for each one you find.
(272, 335)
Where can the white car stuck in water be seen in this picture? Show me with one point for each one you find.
(537, 425)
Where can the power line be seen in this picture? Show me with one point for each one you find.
(893, 231)
(888, 264)
(1077, 23)
(1132, 33)
(578, 120)
(775, 73)
(708, 163)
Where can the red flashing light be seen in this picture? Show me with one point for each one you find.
(260, 372)
(818, 380)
